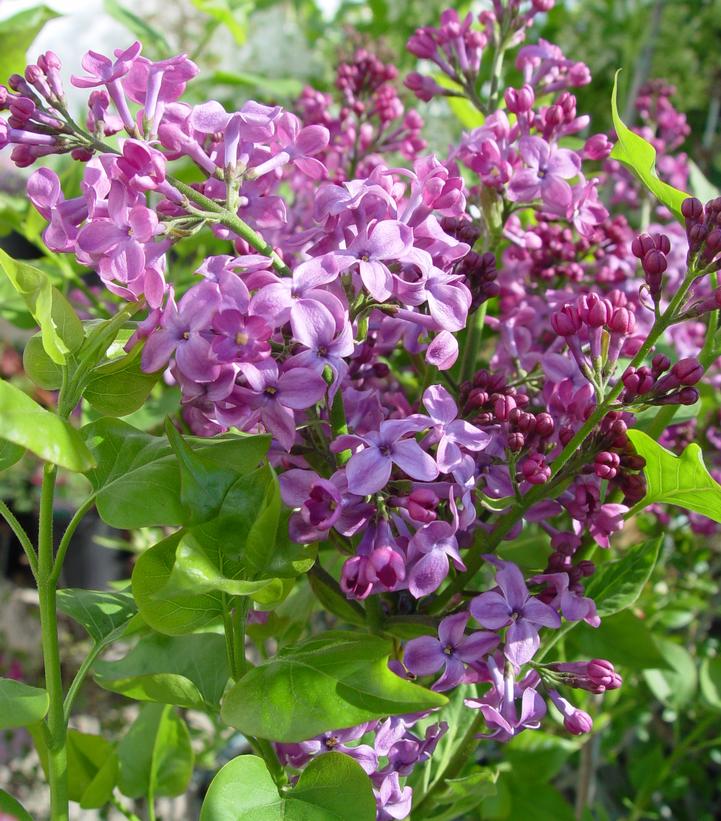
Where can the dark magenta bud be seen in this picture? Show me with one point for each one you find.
(566, 322)
(603, 674)
(516, 441)
(688, 371)
(641, 245)
(623, 321)
(606, 464)
(688, 396)
(586, 568)
(544, 425)
(692, 210)
(654, 262)
(660, 363)
(502, 406)
(535, 470)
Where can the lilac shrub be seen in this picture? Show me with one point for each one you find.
(439, 354)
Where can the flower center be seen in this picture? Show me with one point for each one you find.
(448, 649)
(331, 742)
(271, 390)
(241, 338)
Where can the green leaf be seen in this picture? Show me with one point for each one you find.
(12, 808)
(332, 598)
(337, 680)
(188, 671)
(156, 757)
(100, 612)
(623, 638)
(9, 454)
(617, 584)
(172, 615)
(137, 479)
(16, 36)
(710, 680)
(204, 483)
(700, 185)
(92, 769)
(639, 156)
(677, 480)
(676, 685)
(538, 757)
(333, 787)
(230, 14)
(120, 387)
(177, 586)
(154, 42)
(61, 329)
(24, 423)
(40, 367)
(275, 87)
(21, 704)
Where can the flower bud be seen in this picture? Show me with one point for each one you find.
(641, 245)
(603, 673)
(606, 464)
(516, 441)
(597, 147)
(623, 321)
(535, 470)
(660, 363)
(544, 425)
(654, 262)
(688, 396)
(566, 322)
(502, 406)
(688, 371)
(692, 210)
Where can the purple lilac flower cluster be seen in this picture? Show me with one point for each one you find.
(349, 275)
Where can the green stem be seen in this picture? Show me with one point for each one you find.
(67, 537)
(239, 616)
(229, 640)
(266, 751)
(55, 726)
(496, 72)
(472, 344)
(233, 221)
(508, 520)
(21, 536)
(458, 760)
(80, 676)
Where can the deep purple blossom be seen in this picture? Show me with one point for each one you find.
(452, 649)
(512, 606)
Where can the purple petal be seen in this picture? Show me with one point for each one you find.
(376, 278)
(491, 610)
(449, 306)
(563, 163)
(535, 151)
(389, 240)
(439, 403)
(538, 612)
(368, 471)
(448, 455)
(424, 656)
(100, 236)
(452, 675)
(414, 461)
(511, 581)
(522, 641)
(450, 630)
(428, 573)
(280, 421)
(525, 186)
(312, 323)
(300, 388)
(443, 351)
(477, 645)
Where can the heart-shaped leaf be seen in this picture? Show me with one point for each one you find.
(617, 584)
(204, 483)
(92, 769)
(137, 479)
(26, 424)
(336, 680)
(120, 387)
(9, 454)
(60, 327)
(333, 787)
(188, 671)
(156, 756)
(677, 480)
(100, 612)
(177, 585)
(21, 704)
(639, 156)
